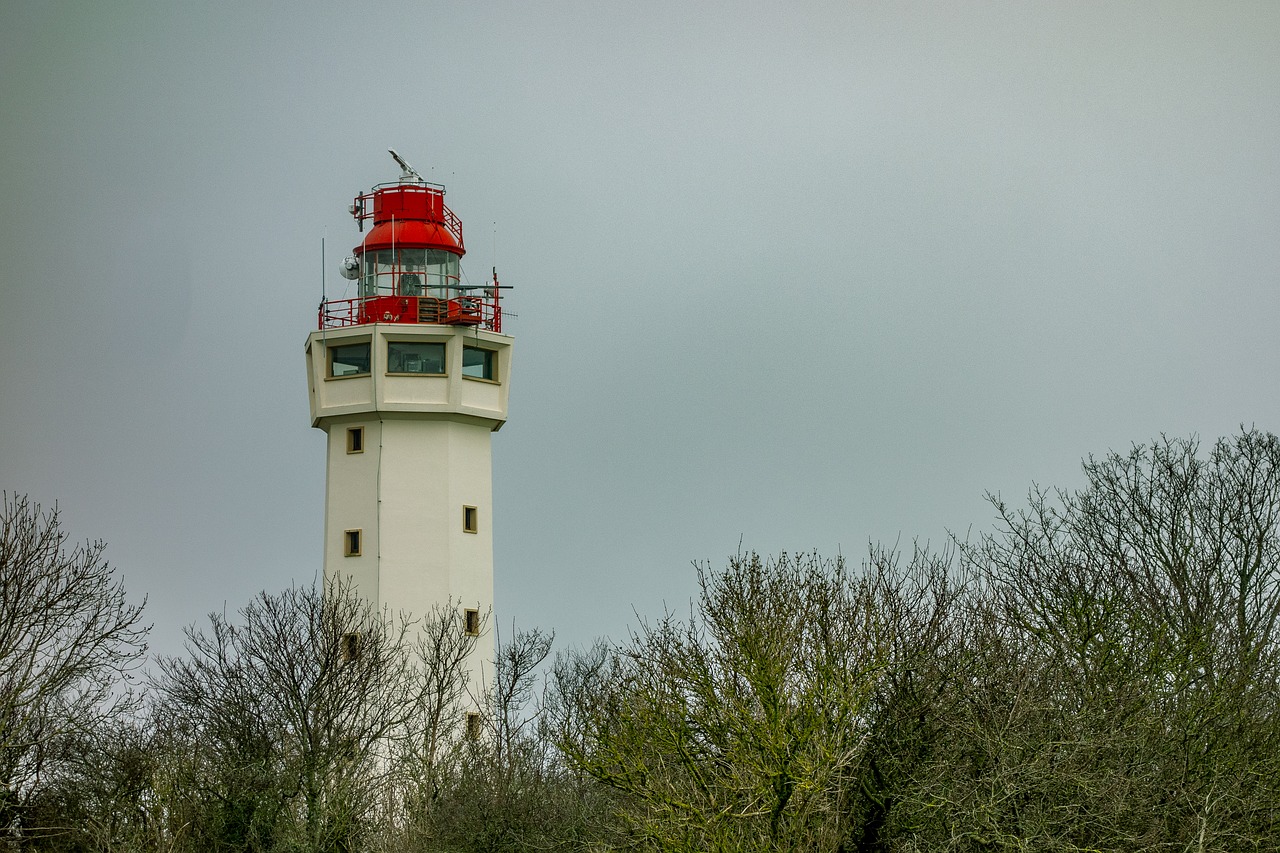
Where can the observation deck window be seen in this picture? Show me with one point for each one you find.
(479, 363)
(419, 357)
(349, 360)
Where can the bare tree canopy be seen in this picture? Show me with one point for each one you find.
(1126, 666)
(1099, 672)
(67, 634)
(303, 721)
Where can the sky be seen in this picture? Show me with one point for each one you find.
(786, 276)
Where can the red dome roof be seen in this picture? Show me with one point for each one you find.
(411, 234)
(413, 216)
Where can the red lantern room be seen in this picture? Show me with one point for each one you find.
(409, 264)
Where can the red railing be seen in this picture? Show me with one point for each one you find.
(483, 311)
(363, 207)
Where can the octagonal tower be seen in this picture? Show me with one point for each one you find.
(409, 380)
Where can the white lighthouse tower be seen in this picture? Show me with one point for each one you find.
(409, 379)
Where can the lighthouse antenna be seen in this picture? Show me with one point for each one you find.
(324, 298)
(409, 171)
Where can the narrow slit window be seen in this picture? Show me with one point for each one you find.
(470, 519)
(351, 543)
(471, 622)
(350, 647)
(473, 725)
(355, 440)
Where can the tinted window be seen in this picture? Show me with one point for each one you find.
(479, 363)
(415, 357)
(349, 360)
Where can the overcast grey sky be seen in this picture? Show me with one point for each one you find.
(802, 275)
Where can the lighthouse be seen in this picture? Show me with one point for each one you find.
(409, 379)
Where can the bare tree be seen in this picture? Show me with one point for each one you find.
(506, 788)
(102, 795)
(68, 638)
(1126, 668)
(296, 715)
(423, 765)
(924, 606)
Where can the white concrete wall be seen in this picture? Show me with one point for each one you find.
(351, 502)
(426, 455)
